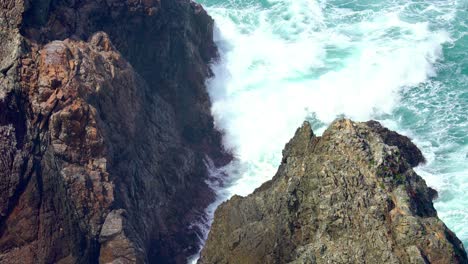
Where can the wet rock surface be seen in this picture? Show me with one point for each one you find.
(349, 196)
(99, 160)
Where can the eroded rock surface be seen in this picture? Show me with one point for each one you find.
(104, 127)
(349, 196)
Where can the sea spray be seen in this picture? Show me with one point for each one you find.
(286, 61)
(269, 80)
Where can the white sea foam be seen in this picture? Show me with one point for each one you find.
(274, 72)
(286, 61)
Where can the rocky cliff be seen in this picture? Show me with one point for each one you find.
(104, 127)
(349, 196)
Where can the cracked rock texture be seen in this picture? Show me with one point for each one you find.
(104, 128)
(349, 196)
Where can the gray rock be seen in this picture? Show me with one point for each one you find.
(113, 225)
(349, 196)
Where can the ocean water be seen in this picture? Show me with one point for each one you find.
(401, 62)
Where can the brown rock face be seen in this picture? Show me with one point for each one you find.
(104, 128)
(349, 196)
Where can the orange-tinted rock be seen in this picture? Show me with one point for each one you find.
(94, 129)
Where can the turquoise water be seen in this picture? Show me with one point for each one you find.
(402, 62)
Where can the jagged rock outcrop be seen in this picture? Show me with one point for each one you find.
(104, 127)
(349, 196)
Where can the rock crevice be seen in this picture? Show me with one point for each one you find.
(104, 127)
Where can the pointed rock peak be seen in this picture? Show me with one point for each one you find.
(300, 142)
(349, 196)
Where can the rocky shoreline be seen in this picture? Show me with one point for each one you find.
(104, 127)
(349, 196)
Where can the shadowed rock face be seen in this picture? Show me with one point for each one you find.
(349, 196)
(104, 127)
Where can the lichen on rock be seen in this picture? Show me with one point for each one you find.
(349, 196)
